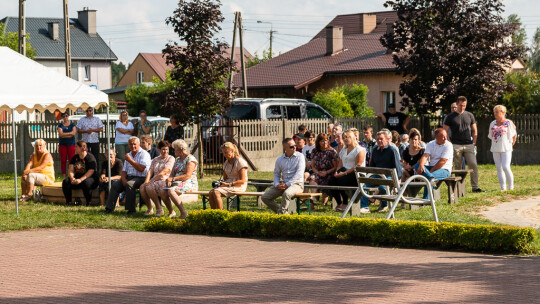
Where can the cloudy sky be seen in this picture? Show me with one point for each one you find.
(133, 26)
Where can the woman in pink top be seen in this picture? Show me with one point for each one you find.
(503, 135)
(159, 171)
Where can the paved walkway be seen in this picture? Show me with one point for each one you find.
(107, 266)
(524, 213)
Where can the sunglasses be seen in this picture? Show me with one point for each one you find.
(292, 147)
(65, 115)
(89, 110)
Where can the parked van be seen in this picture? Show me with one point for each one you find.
(275, 108)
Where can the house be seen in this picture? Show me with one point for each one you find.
(90, 56)
(347, 50)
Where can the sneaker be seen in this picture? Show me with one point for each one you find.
(478, 190)
(364, 210)
(382, 209)
(433, 181)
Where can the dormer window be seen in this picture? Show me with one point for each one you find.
(140, 76)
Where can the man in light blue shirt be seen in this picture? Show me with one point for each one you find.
(136, 165)
(288, 179)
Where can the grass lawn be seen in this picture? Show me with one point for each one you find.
(42, 215)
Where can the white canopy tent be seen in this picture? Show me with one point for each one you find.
(28, 85)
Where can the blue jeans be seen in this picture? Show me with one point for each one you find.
(439, 174)
(364, 202)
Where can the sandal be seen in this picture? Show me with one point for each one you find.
(159, 213)
(172, 214)
(24, 198)
(149, 213)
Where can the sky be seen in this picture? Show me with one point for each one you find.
(138, 26)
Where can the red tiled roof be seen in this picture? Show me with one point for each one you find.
(351, 23)
(158, 63)
(308, 63)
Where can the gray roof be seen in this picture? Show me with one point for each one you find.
(83, 45)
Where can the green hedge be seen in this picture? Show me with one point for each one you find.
(411, 234)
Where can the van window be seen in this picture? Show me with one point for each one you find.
(274, 112)
(242, 111)
(293, 112)
(314, 112)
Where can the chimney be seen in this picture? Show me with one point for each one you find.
(334, 40)
(53, 30)
(87, 18)
(389, 31)
(368, 22)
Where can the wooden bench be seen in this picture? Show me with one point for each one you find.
(461, 183)
(304, 201)
(53, 193)
(395, 190)
(451, 182)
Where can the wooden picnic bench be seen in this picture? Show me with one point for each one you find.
(395, 190)
(304, 201)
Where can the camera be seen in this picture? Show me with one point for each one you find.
(216, 184)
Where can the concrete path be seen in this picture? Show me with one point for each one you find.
(107, 266)
(523, 213)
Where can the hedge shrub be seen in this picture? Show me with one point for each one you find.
(410, 234)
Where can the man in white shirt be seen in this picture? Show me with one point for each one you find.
(288, 179)
(133, 174)
(440, 153)
(90, 126)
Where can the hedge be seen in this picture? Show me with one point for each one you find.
(409, 234)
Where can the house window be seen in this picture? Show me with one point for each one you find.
(389, 98)
(140, 76)
(87, 72)
(75, 71)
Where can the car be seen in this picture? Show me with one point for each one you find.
(275, 108)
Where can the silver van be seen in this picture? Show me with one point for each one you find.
(275, 108)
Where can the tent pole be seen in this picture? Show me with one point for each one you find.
(15, 159)
(108, 148)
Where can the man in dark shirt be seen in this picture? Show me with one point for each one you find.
(82, 174)
(463, 137)
(383, 156)
(368, 142)
(395, 121)
(116, 168)
(336, 131)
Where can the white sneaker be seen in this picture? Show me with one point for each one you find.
(364, 210)
(383, 209)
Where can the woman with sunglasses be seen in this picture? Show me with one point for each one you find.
(66, 143)
(234, 176)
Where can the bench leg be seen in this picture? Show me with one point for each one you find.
(204, 198)
(307, 202)
(453, 192)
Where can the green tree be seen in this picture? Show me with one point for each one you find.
(149, 97)
(11, 40)
(256, 59)
(534, 58)
(117, 71)
(519, 36)
(449, 48)
(345, 101)
(525, 97)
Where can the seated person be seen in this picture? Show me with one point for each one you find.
(307, 150)
(81, 174)
(234, 176)
(350, 156)
(136, 165)
(146, 144)
(39, 170)
(385, 155)
(182, 179)
(159, 171)
(411, 155)
(323, 164)
(441, 154)
(116, 169)
(288, 178)
(300, 142)
(368, 142)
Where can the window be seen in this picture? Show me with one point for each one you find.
(242, 111)
(314, 112)
(140, 76)
(389, 98)
(87, 72)
(274, 112)
(75, 71)
(293, 112)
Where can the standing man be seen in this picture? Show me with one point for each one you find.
(464, 135)
(440, 154)
(395, 121)
(136, 165)
(89, 127)
(288, 179)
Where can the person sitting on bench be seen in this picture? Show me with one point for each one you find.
(39, 171)
(288, 178)
(234, 176)
(440, 153)
(82, 173)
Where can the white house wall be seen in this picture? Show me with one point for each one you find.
(100, 72)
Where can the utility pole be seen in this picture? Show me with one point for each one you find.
(67, 40)
(238, 25)
(22, 28)
(271, 35)
(232, 53)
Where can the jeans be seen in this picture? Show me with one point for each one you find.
(364, 201)
(133, 183)
(439, 174)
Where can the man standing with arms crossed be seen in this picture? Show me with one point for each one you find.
(89, 127)
(464, 133)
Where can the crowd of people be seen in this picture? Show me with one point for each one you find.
(162, 174)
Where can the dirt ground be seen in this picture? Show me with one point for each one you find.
(523, 213)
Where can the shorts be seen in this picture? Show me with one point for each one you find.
(39, 179)
(230, 191)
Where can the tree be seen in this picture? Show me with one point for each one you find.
(525, 97)
(149, 97)
(117, 71)
(200, 69)
(520, 35)
(448, 48)
(11, 40)
(256, 59)
(534, 58)
(345, 101)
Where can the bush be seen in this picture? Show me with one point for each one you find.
(345, 101)
(411, 234)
